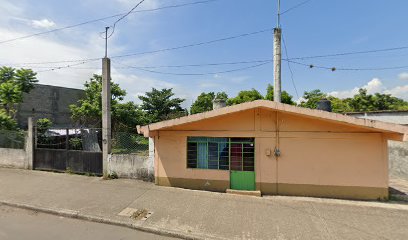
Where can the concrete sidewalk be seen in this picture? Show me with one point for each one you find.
(399, 189)
(198, 214)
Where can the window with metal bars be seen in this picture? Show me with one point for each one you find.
(221, 153)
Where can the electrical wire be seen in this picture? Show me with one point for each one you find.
(196, 74)
(127, 14)
(53, 62)
(349, 53)
(290, 68)
(153, 51)
(347, 69)
(113, 27)
(61, 67)
(294, 7)
(196, 44)
(149, 52)
(104, 18)
(160, 66)
(204, 64)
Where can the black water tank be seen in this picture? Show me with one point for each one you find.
(324, 105)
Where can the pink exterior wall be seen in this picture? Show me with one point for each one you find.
(314, 153)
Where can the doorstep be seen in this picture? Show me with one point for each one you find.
(244, 192)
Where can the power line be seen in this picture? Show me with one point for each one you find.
(104, 18)
(347, 69)
(153, 51)
(159, 66)
(205, 64)
(61, 67)
(296, 6)
(195, 44)
(350, 53)
(53, 62)
(196, 74)
(127, 14)
(290, 68)
(120, 19)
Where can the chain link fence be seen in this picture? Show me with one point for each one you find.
(129, 143)
(83, 139)
(12, 139)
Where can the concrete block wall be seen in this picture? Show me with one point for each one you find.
(131, 166)
(13, 158)
(51, 102)
(397, 151)
(19, 158)
(398, 159)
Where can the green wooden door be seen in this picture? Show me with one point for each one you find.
(242, 166)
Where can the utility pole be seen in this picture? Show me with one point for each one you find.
(277, 59)
(106, 108)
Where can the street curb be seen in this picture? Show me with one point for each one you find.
(399, 197)
(397, 204)
(76, 215)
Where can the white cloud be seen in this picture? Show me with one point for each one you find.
(10, 9)
(136, 85)
(403, 76)
(399, 91)
(373, 86)
(75, 45)
(43, 23)
(44, 50)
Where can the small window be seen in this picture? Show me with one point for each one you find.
(221, 153)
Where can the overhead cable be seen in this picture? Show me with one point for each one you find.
(103, 18)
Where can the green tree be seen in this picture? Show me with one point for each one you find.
(363, 102)
(127, 116)
(160, 105)
(43, 125)
(339, 105)
(360, 102)
(310, 99)
(204, 102)
(88, 111)
(10, 94)
(6, 122)
(245, 96)
(286, 97)
(221, 96)
(13, 84)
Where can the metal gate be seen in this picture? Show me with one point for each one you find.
(242, 164)
(68, 150)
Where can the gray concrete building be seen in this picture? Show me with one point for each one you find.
(46, 101)
(398, 151)
(399, 117)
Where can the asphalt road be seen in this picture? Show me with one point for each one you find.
(20, 224)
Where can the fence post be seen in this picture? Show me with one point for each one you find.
(29, 146)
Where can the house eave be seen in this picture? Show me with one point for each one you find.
(397, 129)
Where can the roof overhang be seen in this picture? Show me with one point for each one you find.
(394, 131)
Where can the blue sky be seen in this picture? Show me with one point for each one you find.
(318, 27)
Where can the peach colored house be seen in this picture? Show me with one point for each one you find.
(276, 149)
